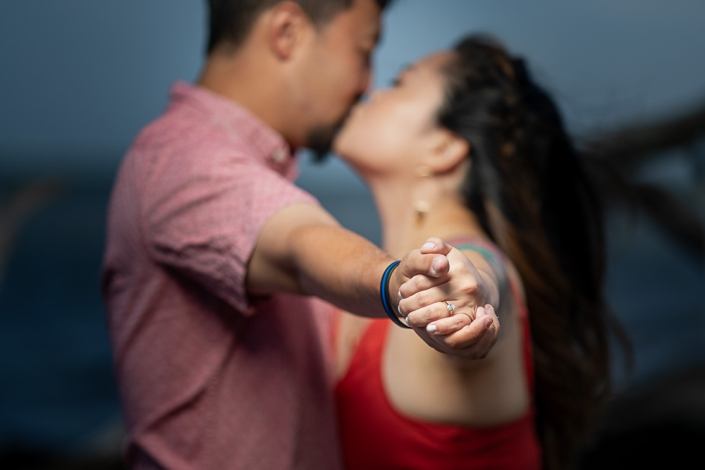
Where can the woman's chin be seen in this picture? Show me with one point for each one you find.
(340, 146)
(344, 152)
(346, 134)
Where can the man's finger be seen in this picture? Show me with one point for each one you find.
(436, 245)
(432, 265)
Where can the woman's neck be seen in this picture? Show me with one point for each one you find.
(405, 229)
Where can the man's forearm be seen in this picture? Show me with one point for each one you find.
(338, 266)
(302, 249)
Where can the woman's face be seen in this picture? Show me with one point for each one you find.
(396, 127)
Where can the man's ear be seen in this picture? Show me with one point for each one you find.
(286, 26)
(448, 151)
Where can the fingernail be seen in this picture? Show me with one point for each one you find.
(400, 296)
(437, 264)
(428, 246)
(431, 328)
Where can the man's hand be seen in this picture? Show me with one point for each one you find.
(449, 309)
(420, 264)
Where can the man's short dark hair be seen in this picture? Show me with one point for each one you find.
(230, 20)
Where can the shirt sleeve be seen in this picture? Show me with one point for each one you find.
(202, 219)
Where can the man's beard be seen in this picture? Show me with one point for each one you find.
(320, 139)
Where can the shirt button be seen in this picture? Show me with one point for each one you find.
(280, 156)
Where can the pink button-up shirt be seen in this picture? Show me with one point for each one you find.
(210, 379)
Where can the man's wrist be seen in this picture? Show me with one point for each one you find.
(395, 283)
(389, 293)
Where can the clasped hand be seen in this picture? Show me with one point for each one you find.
(443, 298)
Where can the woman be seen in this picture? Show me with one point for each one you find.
(480, 151)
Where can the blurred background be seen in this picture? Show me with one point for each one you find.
(79, 78)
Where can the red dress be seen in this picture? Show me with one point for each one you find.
(374, 435)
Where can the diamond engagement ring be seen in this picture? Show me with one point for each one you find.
(450, 307)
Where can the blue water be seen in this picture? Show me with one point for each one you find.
(57, 385)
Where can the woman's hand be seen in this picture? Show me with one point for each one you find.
(462, 334)
(452, 313)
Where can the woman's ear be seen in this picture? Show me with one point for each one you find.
(448, 152)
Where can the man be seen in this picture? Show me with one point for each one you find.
(220, 363)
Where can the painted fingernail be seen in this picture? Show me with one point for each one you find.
(428, 246)
(431, 328)
(400, 296)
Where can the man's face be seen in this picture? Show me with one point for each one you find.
(338, 71)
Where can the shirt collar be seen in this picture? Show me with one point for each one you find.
(266, 144)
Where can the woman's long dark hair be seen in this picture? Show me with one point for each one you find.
(530, 193)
